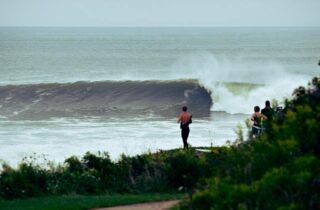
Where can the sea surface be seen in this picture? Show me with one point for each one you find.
(66, 91)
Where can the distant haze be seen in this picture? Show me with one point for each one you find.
(151, 13)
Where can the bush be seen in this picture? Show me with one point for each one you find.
(28, 180)
(184, 169)
(279, 170)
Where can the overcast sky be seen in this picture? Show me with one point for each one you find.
(159, 12)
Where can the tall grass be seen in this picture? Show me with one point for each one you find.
(82, 202)
(172, 171)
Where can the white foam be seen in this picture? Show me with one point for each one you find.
(276, 82)
(59, 139)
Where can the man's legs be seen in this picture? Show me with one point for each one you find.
(185, 135)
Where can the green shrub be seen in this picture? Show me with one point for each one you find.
(278, 170)
(28, 180)
(184, 169)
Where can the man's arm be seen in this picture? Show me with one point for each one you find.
(179, 119)
(264, 117)
(252, 117)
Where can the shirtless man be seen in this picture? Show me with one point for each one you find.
(257, 119)
(185, 119)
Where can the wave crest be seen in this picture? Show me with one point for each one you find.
(108, 98)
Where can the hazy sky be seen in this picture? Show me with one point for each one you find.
(159, 12)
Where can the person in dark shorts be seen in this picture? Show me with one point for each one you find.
(185, 119)
(269, 113)
(257, 119)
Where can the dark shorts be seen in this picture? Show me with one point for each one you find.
(185, 133)
(256, 130)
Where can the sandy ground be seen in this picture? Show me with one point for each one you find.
(162, 205)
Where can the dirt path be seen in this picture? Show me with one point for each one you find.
(161, 205)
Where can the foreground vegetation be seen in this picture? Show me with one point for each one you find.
(170, 171)
(278, 170)
(81, 202)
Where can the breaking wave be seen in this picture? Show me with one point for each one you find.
(238, 84)
(108, 98)
(199, 80)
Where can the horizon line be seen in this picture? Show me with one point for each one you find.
(39, 26)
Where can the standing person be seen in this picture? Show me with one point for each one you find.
(268, 112)
(185, 119)
(257, 119)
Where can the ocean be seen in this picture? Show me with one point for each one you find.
(66, 91)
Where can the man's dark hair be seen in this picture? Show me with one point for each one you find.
(267, 103)
(257, 109)
(184, 108)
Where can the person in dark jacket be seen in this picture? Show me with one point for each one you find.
(269, 113)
